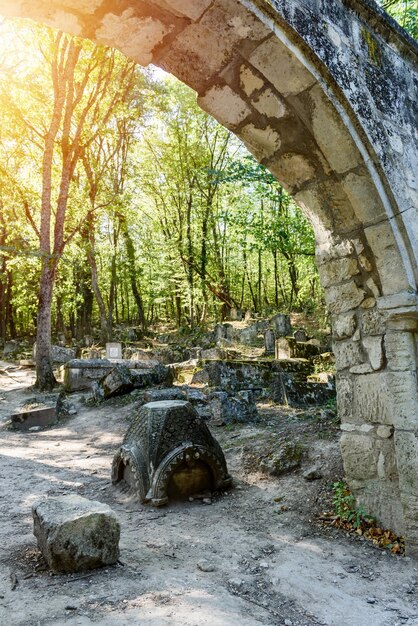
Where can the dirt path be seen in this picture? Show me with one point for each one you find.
(269, 566)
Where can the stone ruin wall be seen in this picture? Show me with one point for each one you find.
(324, 94)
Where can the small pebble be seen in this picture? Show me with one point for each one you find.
(70, 607)
(288, 622)
(371, 600)
(206, 566)
(207, 501)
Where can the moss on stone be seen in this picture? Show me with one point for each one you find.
(372, 46)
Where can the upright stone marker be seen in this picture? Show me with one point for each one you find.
(300, 336)
(283, 349)
(113, 351)
(269, 341)
(282, 324)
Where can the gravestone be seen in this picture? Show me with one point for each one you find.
(283, 349)
(282, 325)
(300, 336)
(169, 451)
(269, 341)
(113, 351)
(219, 332)
(36, 417)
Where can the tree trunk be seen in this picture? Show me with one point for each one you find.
(3, 280)
(276, 280)
(45, 379)
(130, 253)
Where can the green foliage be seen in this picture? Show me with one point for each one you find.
(405, 12)
(345, 506)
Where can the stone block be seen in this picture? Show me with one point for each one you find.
(281, 68)
(233, 23)
(384, 431)
(403, 393)
(387, 468)
(381, 498)
(337, 271)
(59, 354)
(343, 298)
(283, 349)
(374, 348)
(401, 351)
(410, 508)
(117, 382)
(76, 534)
(344, 325)
(269, 104)
(135, 36)
(36, 417)
(332, 137)
(371, 400)
(387, 257)
(113, 351)
(224, 105)
(292, 170)
(249, 81)
(195, 57)
(249, 336)
(169, 393)
(261, 142)
(345, 394)
(11, 347)
(406, 444)
(373, 322)
(300, 336)
(348, 353)
(358, 187)
(80, 374)
(168, 451)
(360, 456)
(229, 409)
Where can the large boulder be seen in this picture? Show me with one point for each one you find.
(76, 534)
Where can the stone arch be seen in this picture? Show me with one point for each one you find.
(324, 94)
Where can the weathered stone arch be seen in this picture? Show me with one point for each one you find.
(325, 94)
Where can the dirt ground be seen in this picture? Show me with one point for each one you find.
(271, 561)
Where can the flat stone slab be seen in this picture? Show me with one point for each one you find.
(76, 534)
(79, 374)
(39, 416)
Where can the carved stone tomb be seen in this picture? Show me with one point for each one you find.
(169, 453)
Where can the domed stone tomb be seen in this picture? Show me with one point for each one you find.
(169, 453)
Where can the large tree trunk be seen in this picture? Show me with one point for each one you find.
(130, 253)
(3, 280)
(45, 379)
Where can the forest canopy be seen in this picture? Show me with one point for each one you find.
(121, 202)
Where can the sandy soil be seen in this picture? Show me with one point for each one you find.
(272, 562)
